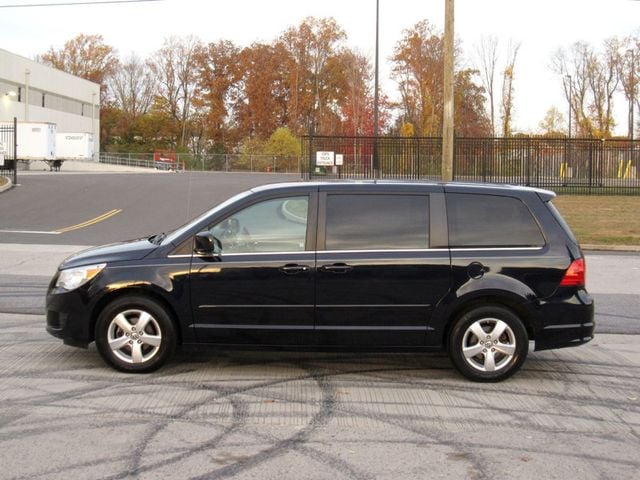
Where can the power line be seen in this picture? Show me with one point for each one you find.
(66, 4)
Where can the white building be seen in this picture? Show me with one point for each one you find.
(32, 92)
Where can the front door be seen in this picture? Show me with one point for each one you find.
(260, 289)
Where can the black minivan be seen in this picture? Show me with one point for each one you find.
(477, 270)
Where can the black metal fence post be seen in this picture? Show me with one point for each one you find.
(9, 140)
(15, 151)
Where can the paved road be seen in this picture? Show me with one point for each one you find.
(149, 203)
(211, 414)
(572, 413)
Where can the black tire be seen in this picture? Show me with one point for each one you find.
(127, 348)
(499, 354)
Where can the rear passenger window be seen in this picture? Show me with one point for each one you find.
(490, 221)
(377, 222)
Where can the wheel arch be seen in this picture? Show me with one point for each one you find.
(131, 291)
(480, 299)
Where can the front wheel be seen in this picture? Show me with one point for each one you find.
(488, 344)
(135, 334)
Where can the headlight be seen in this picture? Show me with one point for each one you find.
(75, 277)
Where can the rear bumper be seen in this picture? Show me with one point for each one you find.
(568, 320)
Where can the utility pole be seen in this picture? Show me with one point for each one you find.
(568, 78)
(633, 92)
(376, 160)
(447, 117)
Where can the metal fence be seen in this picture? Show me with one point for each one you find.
(229, 162)
(8, 141)
(586, 166)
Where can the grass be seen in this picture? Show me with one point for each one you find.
(602, 220)
(3, 181)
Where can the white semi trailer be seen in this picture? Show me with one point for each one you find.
(36, 141)
(74, 146)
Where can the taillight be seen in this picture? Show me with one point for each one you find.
(575, 274)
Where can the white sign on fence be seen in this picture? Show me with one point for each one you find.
(1, 159)
(324, 159)
(339, 159)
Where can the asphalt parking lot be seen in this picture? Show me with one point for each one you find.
(234, 414)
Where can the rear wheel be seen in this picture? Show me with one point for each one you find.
(135, 334)
(488, 344)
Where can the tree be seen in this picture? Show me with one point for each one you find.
(133, 89)
(553, 123)
(283, 143)
(507, 89)
(603, 81)
(261, 105)
(157, 128)
(175, 70)
(487, 52)
(351, 81)
(417, 67)
(470, 115)
(407, 130)
(592, 78)
(311, 46)
(629, 74)
(218, 89)
(85, 56)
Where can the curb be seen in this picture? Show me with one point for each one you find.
(611, 248)
(7, 185)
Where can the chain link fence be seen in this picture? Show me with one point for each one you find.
(228, 162)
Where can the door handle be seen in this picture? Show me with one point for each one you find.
(293, 269)
(337, 268)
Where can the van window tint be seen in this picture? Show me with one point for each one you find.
(490, 221)
(377, 222)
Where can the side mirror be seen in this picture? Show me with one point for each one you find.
(207, 245)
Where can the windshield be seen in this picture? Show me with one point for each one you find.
(170, 237)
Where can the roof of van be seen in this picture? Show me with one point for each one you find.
(546, 195)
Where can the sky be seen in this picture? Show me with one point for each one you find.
(541, 26)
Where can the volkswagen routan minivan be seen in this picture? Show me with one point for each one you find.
(480, 271)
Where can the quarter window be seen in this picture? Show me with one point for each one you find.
(277, 225)
(490, 221)
(377, 222)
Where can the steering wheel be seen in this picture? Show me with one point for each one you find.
(235, 237)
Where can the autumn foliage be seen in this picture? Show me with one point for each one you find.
(221, 97)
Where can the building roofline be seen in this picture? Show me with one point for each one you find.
(49, 67)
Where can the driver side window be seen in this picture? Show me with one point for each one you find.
(277, 225)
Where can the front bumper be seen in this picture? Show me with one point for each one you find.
(68, 317)
(568, 320)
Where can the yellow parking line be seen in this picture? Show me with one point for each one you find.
(93, 221)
